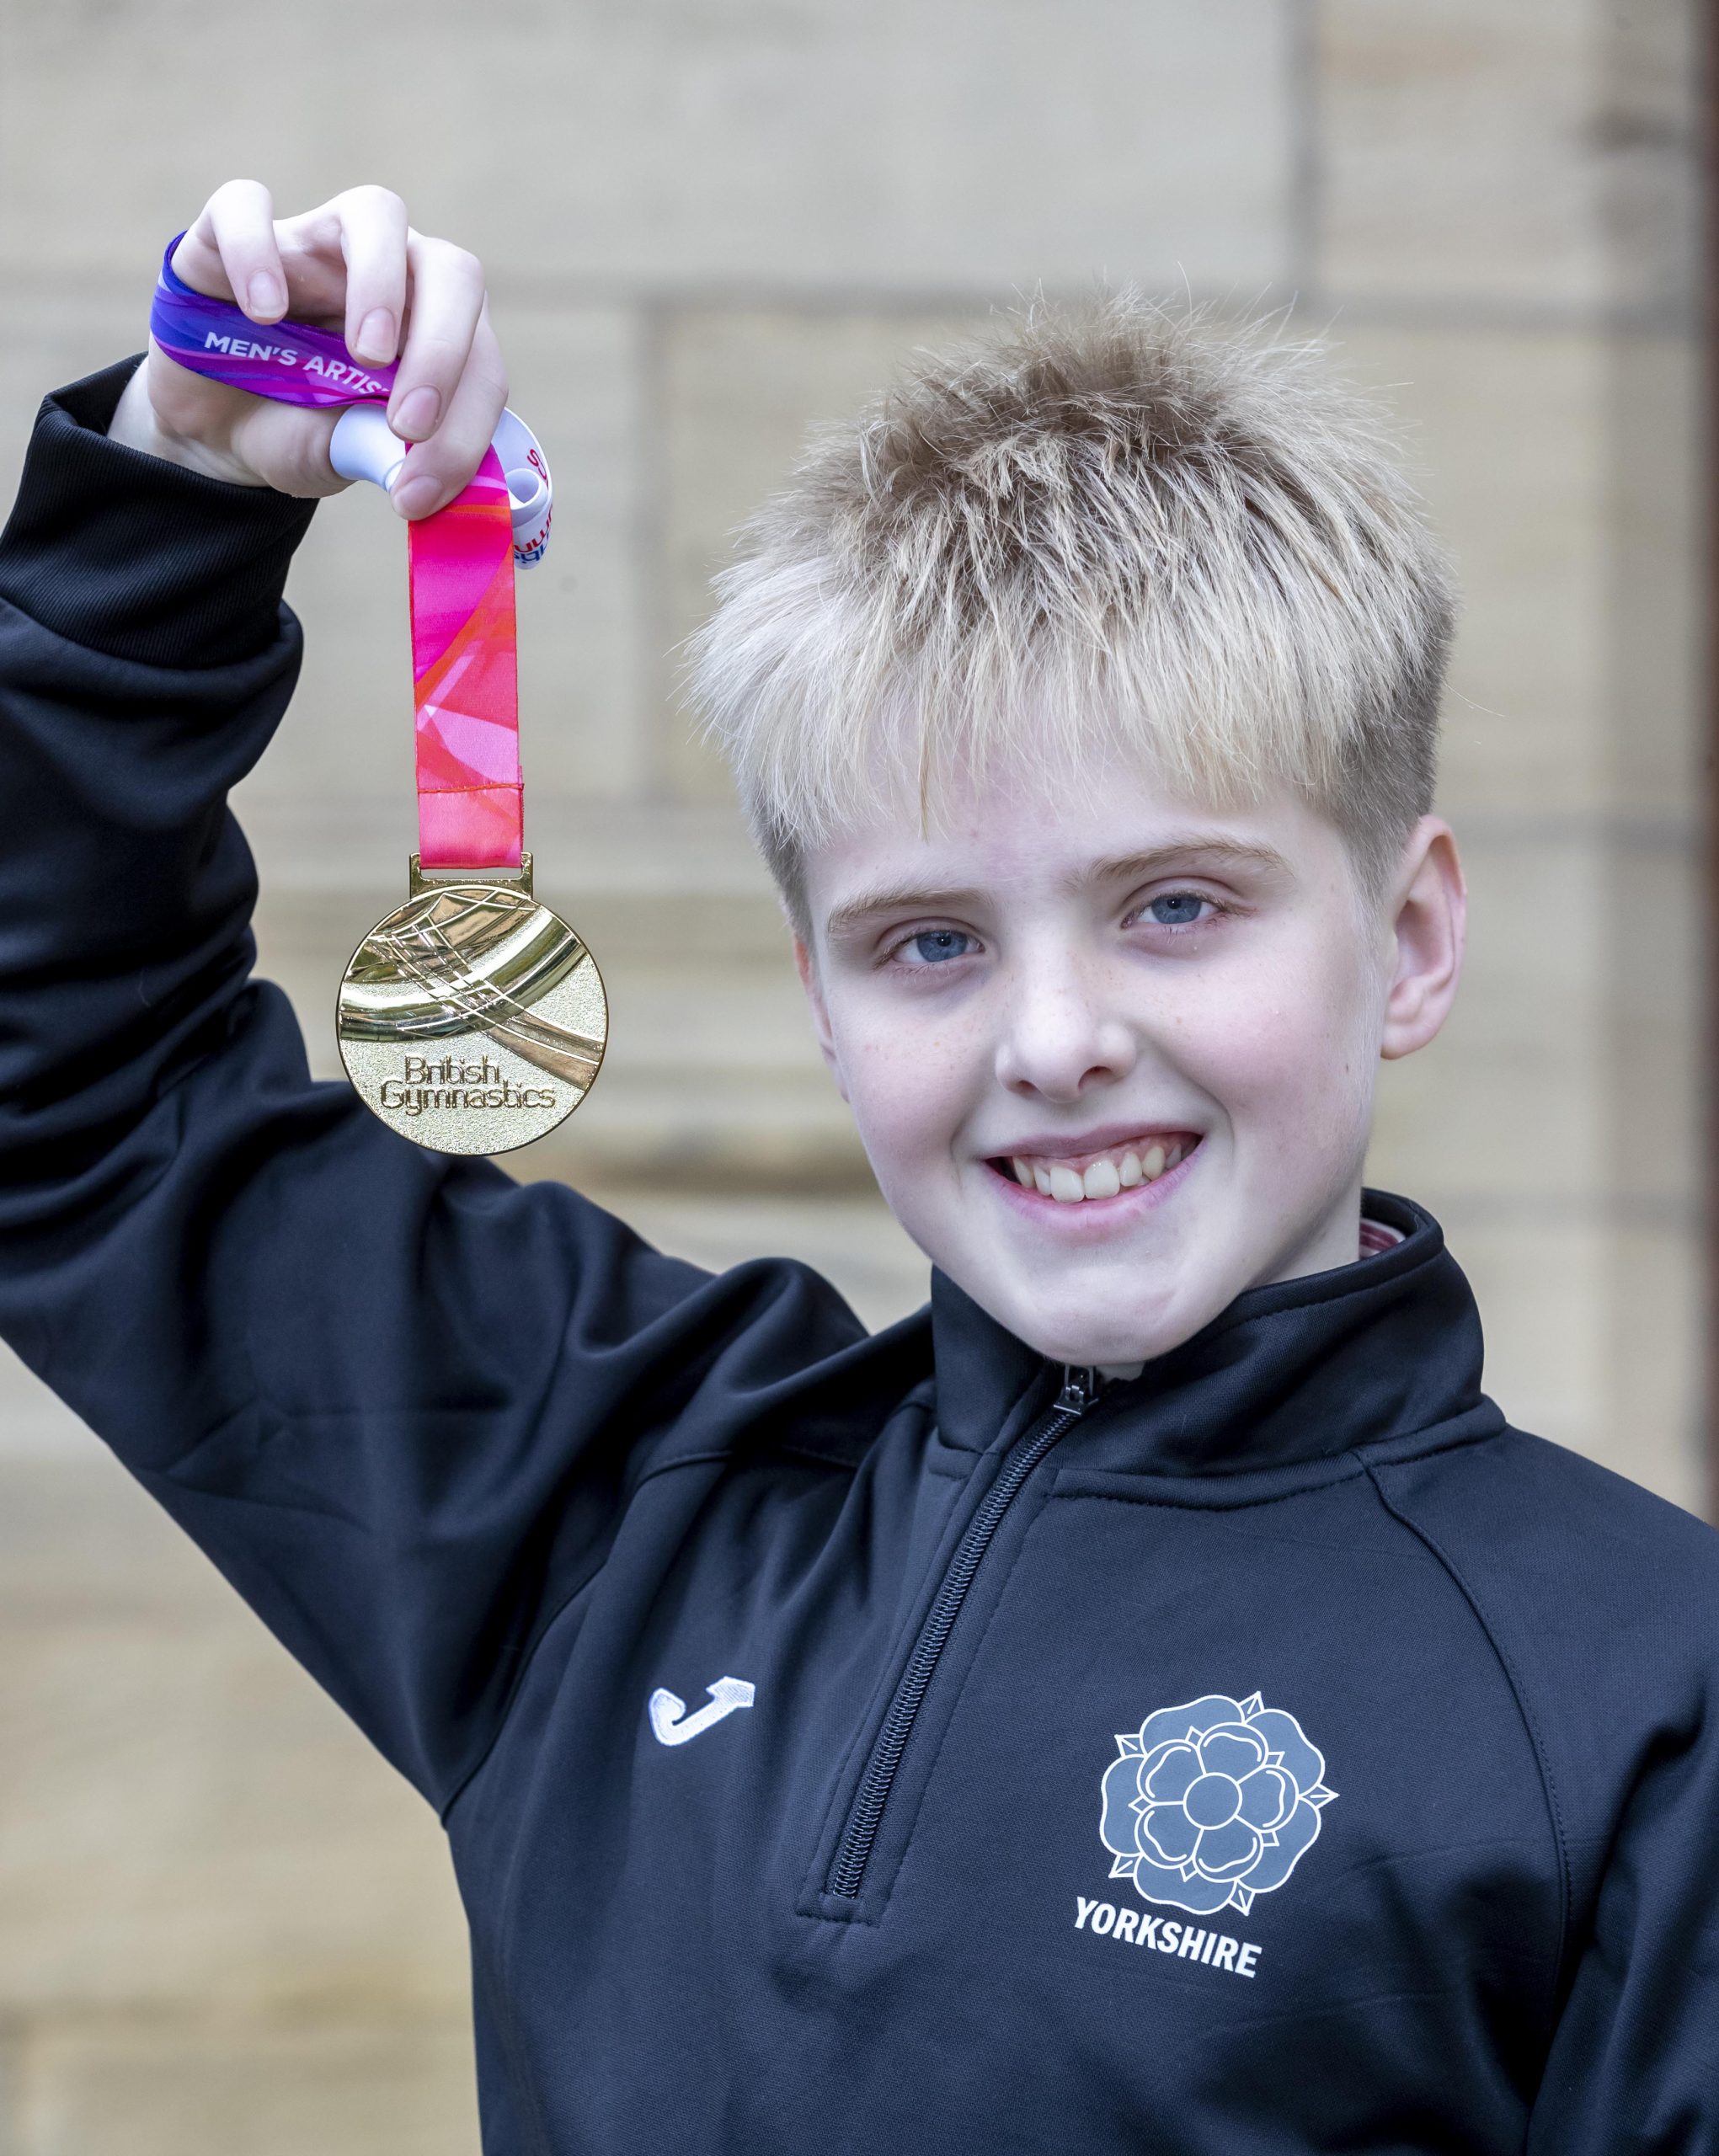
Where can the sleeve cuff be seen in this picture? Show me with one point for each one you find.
(129, 554)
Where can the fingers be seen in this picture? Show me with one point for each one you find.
(287, 446)
(373, 238)
(230, 252)
(447, 304)
(438, 468)
(355, 262)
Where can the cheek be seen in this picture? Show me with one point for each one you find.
(1291, 1050)
(910, 1078)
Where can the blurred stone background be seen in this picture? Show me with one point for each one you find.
(224, 1926)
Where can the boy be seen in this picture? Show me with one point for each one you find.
(1155, 1701)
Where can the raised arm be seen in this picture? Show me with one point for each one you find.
(399, 1399)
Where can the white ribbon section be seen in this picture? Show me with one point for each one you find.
(364, 448)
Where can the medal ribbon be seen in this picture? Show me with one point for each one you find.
(461, 561)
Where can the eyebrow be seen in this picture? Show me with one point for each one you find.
(896, 898)
(1128, 868)
(1177, 852)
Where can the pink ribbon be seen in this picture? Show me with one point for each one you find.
(465, 679)
(465, 665)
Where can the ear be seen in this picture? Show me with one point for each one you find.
(1427, 931)
(807, 967)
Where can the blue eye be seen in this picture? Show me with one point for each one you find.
(1176, 909)
(934, 947)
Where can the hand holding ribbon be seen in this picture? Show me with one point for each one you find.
(471, 1018)
(461, 558)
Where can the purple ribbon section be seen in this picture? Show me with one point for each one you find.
(292, 362)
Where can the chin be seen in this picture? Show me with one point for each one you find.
(1084, 1337)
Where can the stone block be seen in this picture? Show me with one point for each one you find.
(1653, 1043)
(1592, 1337)
(1655, 1429)
(1567, 1073)
(1558, 466)
(1657, 459)
(183, 1815)
(1647, 134)
(1505, 435)
(1537, 156)
(361, 2086)
(809, 145)
(586, 638)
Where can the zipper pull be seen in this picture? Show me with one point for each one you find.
(1080, 1388)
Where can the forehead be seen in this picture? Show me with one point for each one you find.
(1017, 840)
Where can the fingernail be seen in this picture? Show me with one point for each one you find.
(418, 414)
(416, 497)
(375, 336)
(264, 294)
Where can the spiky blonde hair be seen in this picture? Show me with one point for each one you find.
(1118, 527)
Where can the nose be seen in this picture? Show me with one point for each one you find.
(1062, 1039)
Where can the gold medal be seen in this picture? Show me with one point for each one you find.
(472, 1019)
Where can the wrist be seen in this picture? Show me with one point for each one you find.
(120, 550)
(136, 425)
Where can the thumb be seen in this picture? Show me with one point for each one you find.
(286, 446)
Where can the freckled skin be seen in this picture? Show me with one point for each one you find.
(1021, 978)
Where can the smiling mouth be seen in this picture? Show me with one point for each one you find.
(1077, 1178)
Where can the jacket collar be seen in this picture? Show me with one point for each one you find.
(1378, 1349)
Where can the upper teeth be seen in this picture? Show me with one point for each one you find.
(1101, 1178)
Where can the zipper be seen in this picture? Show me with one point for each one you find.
(847, 1869)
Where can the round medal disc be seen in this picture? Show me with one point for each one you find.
(472, 1019)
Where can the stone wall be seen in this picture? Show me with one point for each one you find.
(224, 1926)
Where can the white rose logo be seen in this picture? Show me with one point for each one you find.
(1210, 1804)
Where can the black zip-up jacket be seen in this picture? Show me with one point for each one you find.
(845, 1743)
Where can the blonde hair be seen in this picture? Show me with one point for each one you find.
(1120, 528)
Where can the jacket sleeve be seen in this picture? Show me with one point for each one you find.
(1601, 1603)
(397, 1398)
(1634, 2062)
